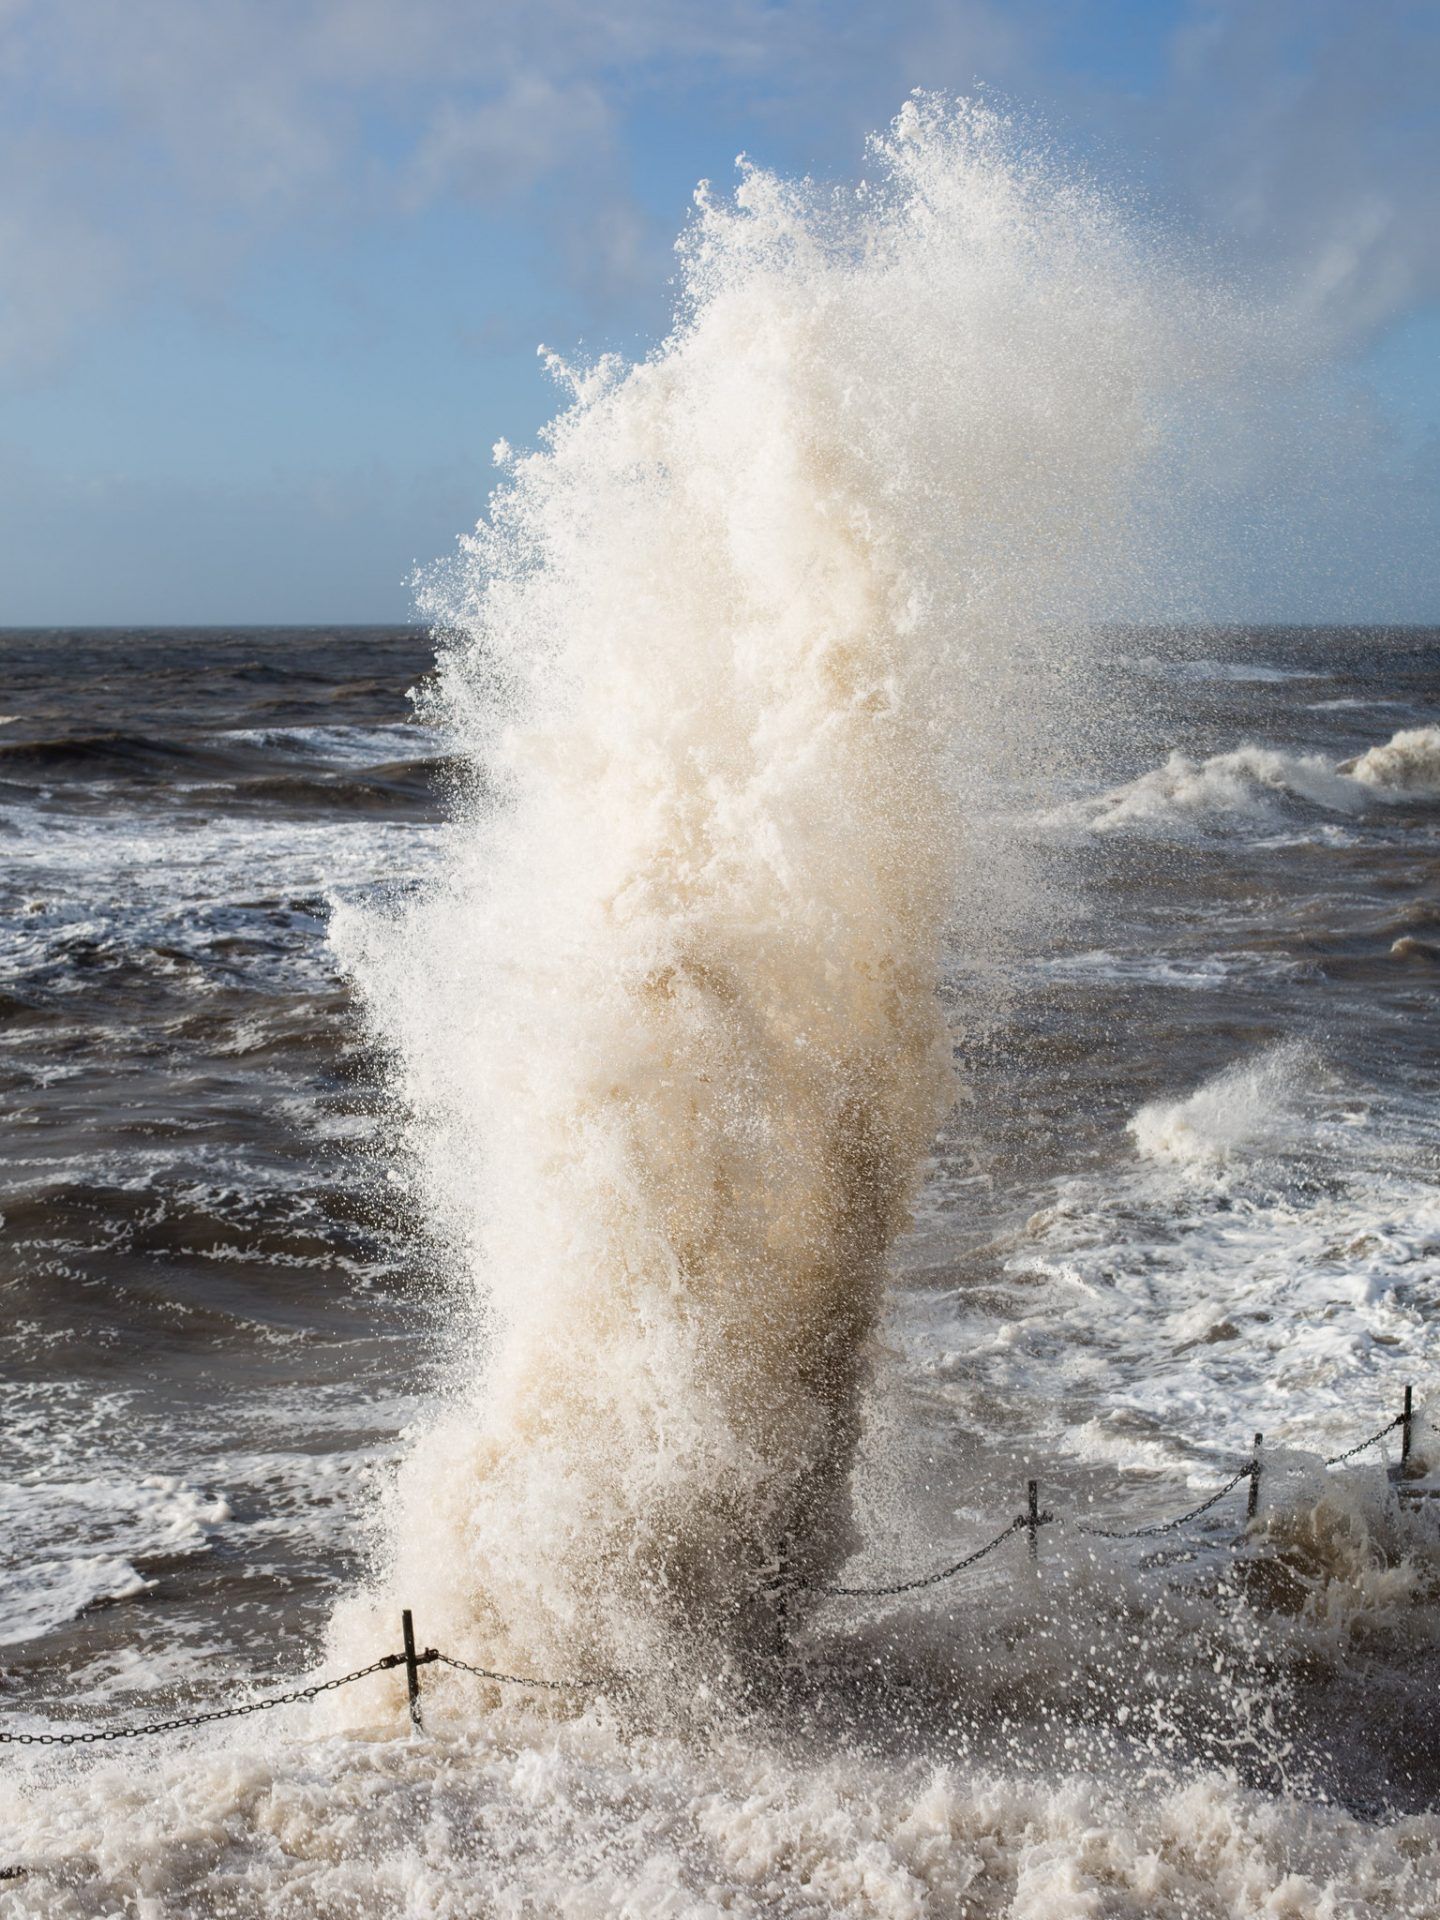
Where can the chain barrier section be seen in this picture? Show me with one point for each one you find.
(515, 1679)
(290, 1699)
(1400, 1420)
(387, 1664)
(1030, 1522)
(925, 1579)
(1181, 1519)
(779, 1589)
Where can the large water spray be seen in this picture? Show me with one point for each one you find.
(739, 659)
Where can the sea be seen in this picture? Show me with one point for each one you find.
(796, 1126)
(1191, 1194)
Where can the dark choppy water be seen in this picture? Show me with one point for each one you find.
(212, 1329)
(1195, 1193)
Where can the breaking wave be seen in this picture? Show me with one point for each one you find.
(1261, 785)
(741, 656)
(1407, 764)
(1257, 1106)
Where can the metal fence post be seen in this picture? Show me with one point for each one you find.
(1407, 1424)
(1032, 1521)
(1253, 1505)
(412, 1669)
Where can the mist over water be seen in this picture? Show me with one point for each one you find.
(867, 1028)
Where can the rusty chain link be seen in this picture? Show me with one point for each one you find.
(1361, 1445)
(514, 1679)
(1022, 1522)
(215, 1713)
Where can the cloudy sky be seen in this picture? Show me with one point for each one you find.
(273, 272)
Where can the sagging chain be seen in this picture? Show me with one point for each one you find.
(1369, 1441)
(1017, 1525)
(1181, 1519)
(291, 1699)
(515, 1679)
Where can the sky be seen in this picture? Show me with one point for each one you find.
(273, 273)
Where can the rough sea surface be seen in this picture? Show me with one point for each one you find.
(213, 1329)
(1191, 1195)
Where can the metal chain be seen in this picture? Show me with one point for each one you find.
(217, 1713)
(1360, 1445)
(1183, 1519)
(1021, 1523)
(1168, 1526)
(514, 1679)
(930, 1579)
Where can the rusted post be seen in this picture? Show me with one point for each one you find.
(1253, 1505)
(1407, 1425)
(1032, 1521)
(412, 1669)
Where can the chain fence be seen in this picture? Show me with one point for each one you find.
(1400, 1420)
(1032, 1520)
(411, 1659)
(925, 1579)
(777, 1586)
(150, 1727)
(1180, 1520)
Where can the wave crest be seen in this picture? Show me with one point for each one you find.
(1260, 786)
(1407, 764)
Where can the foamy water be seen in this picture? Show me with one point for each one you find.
(765, 678)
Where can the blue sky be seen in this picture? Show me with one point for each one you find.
(273, 272)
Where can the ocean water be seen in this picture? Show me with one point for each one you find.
(778, 1024)
(212, 1335)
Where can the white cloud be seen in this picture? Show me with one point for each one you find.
(1306, 132)
(168, 137)
(485, 149)
(145, 148)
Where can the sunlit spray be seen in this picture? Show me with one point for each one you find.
(739, 660)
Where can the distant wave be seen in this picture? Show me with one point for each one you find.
(114, 756)
(1255, 785)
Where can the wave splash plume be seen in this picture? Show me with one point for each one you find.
(740, 658)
